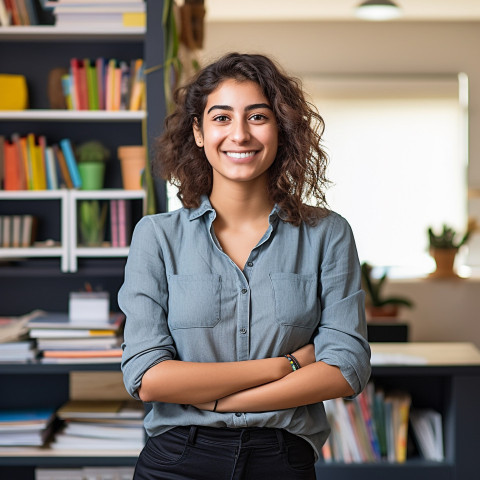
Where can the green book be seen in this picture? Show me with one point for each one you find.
(91, 73)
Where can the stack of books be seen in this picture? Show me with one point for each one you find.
(17, 230)
(17, 352)
(104, 84)
(60, 340)
(100, 424)
(19, 12)
(26, 427)
(30, 164)
(15, 346)
(101, 13)
(85, 473)
(371, 427)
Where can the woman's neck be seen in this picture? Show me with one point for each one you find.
(239, 204)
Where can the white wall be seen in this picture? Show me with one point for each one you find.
(445, 310)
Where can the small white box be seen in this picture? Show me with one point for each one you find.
(94, 306)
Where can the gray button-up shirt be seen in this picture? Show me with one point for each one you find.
(184, 298)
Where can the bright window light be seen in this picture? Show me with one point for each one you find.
(397, 151)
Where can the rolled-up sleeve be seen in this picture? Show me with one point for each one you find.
(143, 298)
(341, 339)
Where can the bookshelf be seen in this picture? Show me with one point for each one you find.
(443, 376)
(60, 249)
(447, 379)
(33, 51)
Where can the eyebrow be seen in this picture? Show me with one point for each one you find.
(247, 108)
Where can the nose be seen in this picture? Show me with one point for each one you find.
(240, 132)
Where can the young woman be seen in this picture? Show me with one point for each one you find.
(244, 308)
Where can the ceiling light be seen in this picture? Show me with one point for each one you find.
(378, 10)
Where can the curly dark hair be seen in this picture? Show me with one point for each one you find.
(298, 172)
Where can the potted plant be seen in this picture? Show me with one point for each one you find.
(92, 219)
(91, 157)
(443, 247)
(378, 305)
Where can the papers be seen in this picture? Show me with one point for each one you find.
(427, 427)
(397, 359)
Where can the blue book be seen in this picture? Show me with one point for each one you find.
(67, 150)
(41, 416)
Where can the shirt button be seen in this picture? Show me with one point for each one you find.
(244, 291)
(238, 414)
(250, 264)
(243, 331)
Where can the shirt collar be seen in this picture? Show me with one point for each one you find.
(205, 206)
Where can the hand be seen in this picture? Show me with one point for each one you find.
(305, 355)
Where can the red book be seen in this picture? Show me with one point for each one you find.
(75, 73)
(82, 85)
(12, 166)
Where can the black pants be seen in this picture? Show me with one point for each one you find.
(205, 453)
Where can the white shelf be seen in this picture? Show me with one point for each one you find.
(69, 251)
(100, 252)
(24, 252)
(50, 452)
(52, 32)
(74, 115)
(107, 194)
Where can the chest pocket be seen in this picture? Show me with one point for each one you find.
(194, 301)
(295, 298)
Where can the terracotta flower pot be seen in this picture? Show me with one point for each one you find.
(132, 161)
(444, 260)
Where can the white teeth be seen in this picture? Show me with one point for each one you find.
(240, 154)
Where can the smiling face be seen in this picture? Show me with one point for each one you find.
(239, 134)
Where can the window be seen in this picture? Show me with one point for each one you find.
(398, 162)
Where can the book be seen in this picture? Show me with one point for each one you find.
(66, 180)
(428, 431)
(101, 409)
(114, 222)
(22, 169)
(16, 238)
(105, 353)
(92, 88)
(29, 427)
(39, 418)
(101, 65)
(42, 161)
(80, 361)
(67, 150)
(51, 169)
(94, 343)
(69, 333)
(17, 351)
(61, 320)
(6, 230)
(12, 167)
(75, 84)
(29, 230)
(110, 84)
(35, 161)
(138, 86)
(124, 222)
(2, 156)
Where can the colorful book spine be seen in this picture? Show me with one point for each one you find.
(22, 167)
(67, 150)
(62, 164)
(75, 86)
(52, 177)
